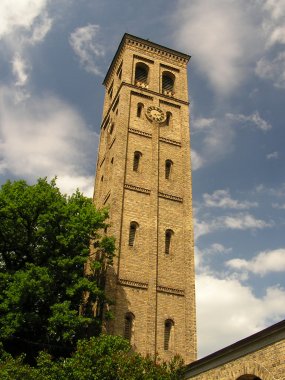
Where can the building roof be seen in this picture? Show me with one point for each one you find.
(238, 349)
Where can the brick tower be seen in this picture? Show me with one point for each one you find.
(144, 177)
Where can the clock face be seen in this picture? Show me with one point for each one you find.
(155, 114)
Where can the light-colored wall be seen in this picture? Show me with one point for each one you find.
(268, 363)
(144, 281)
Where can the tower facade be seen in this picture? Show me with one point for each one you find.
(144, 177)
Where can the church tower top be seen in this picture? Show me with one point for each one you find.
(150, 48)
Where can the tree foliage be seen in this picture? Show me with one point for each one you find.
(97, 358)
(44, 248)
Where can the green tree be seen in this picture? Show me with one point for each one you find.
(47, 297)
(98, 358)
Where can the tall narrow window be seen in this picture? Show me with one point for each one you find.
(141, 74)
(132, 233)
(168, 334)
(110, 91)
(168, 118)
(139, 109)
(119, 71)
(137, 157)
(129, 326)
(168, 80)
(168, 240)
(111, 130)
(168, 168)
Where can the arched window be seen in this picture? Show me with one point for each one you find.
(168, 239)
(248, 377)
(137, 157)
(168, 334)
(168, 118)
(168, 168)
(129, 326)
(132, 233)
(168, 80)
(139, 109)
(141, 74)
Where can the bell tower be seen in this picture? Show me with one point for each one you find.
(144, 177)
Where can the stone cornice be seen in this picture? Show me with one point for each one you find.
(133, 284)
(136, 188)
(170, 197)
(138, 132)
(173, 291)
(169, 141)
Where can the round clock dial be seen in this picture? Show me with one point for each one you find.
(155, 114)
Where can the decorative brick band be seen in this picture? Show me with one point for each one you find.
(143, 59)
(169, 103)
(137, 188)
(171, 197)
(107, 197)
(169, 67)
(141, 133)
(169, 141)
(142, 95)
(132, 284)
(176, 292)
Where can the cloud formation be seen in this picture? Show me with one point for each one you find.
(273, 155)
(222, 199)
(84, 42)
(265, 262)
(222, 37)
(44, 136)
(15, 14)
(254, 120)
(235, 309)
(240, 221)
(23, 24)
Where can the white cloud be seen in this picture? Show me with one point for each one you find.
(217, 248)
(271, 65)
(279, 206)
(254, 119)
(273, 69)
(222, 199)
(263, 263)
(222, 37)
(273, 155)
(40, 29)
(228, 39)
(23, 23)
(279, 191)
(20, 70)
(241, 221)
(196, 159)
(203, 228)
(202, 123)
(84, 42)
(16, 14)
(235, 312)
(45, 137)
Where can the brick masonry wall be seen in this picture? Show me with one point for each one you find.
(144, 280)
(268, 363)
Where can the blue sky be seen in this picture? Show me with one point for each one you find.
(54, 55)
